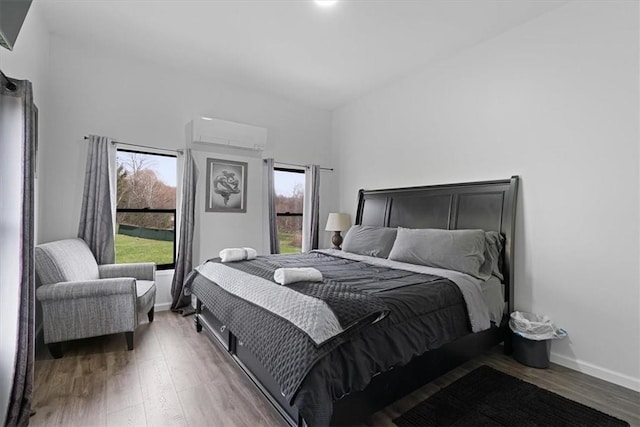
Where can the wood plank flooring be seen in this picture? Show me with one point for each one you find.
(176, 377)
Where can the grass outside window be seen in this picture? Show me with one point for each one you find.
(290, 242)
(133, 249)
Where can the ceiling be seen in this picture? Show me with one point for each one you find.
(321, 57)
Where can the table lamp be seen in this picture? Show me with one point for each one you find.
(337, 222)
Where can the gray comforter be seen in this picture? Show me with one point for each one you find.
(322, 310)
(424, 312)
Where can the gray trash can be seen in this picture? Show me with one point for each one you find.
(532, 335)
(530, 352)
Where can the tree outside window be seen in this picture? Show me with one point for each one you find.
(146, 208)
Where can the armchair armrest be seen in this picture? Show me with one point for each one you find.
(139, 270)
(87, 289)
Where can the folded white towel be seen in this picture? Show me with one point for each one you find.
(285, 276)
(237, 254)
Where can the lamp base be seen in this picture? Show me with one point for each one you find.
(336, 239)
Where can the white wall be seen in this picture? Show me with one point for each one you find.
(100, 92)
(556, 102)
(27, 61)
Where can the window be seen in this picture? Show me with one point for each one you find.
(289, 185)
(146, 208)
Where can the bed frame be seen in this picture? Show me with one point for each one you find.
(487, 205)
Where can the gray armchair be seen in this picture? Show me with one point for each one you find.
(82, 299)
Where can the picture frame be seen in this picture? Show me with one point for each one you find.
(226, 189)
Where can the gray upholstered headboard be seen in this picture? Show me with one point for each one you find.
(487, 205)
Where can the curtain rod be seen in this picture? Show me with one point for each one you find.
(143, 146)
(301, 166)
(8, 83)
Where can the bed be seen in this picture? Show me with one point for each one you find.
(397, 325)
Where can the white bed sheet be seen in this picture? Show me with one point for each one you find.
(493, 293)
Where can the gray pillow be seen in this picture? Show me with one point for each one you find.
(493, 248)
(459, 250)
(368, 240)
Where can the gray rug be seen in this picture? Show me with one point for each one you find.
(487, 397)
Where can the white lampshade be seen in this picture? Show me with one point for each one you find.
(338, 222)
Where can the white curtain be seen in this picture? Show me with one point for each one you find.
(18, 141)
(311, 211)
(96, 215)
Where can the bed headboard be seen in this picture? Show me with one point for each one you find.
(487, 205)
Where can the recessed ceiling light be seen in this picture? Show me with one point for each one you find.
(206, 118)
(326, 3)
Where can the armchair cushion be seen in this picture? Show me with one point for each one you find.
(67, 260)
(146, 293)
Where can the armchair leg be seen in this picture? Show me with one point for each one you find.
(129, 336)
(150, 314)
(55, 348)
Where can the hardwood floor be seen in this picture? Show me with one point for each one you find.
(176, 377)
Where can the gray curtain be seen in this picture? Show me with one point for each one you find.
(96, 215)
(271, 201)
(21, 392)
(311, 214)
(180, 298)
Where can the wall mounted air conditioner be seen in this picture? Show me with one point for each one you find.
(229, 134)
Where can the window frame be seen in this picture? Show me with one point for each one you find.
(149, 210)
(288, 214)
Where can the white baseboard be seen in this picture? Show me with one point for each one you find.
(597, 371)
(165, 306)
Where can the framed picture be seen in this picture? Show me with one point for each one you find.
(226, 186)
